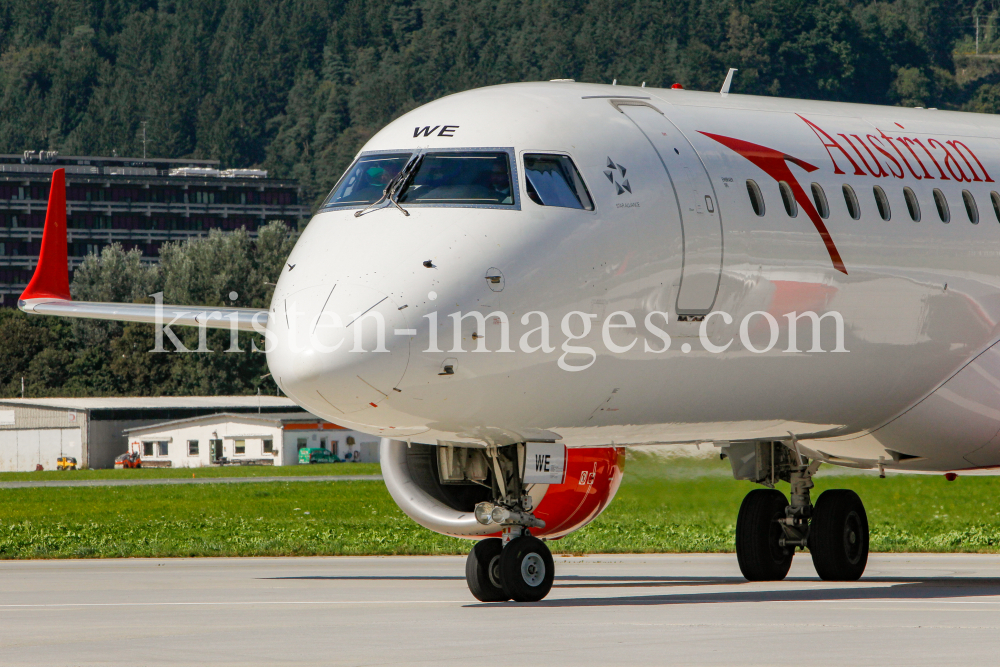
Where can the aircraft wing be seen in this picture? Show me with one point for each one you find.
(48, 291)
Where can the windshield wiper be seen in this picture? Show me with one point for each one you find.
(397, 184)
(406, 176)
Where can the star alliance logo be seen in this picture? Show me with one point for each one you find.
(612, 175)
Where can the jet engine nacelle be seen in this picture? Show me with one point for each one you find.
(413, 474)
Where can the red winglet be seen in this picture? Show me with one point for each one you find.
(51, 279)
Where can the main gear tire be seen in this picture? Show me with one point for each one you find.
(838, 536)
(758, 534)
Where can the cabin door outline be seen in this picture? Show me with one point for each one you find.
(698, 207)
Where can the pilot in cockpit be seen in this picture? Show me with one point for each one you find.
(379, 176)
(500, 182)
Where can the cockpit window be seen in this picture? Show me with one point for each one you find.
(469, 178)
(553, 180)
(365, 181)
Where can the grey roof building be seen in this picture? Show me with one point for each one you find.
(37, 431)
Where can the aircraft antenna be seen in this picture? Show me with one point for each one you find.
(729, 81)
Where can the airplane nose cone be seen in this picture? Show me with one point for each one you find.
(344, 345)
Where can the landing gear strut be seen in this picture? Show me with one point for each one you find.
(518, 567)
(769, 528)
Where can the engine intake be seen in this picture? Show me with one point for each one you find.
(439, 487)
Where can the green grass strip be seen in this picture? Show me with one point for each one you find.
(170, 473)
(675, 506)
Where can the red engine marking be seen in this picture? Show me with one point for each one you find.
(593, 475)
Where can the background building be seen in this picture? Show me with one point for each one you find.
(39, 430)
(267, 439)
(140, 203)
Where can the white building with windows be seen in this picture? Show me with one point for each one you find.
(37, 431)
(263, 439)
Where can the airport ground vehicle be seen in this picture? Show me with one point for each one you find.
(317, 455)
(66, 463)
(128, 460)
(536, 275)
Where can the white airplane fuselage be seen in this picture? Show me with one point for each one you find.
(918, 386)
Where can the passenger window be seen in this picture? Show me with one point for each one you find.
(970, 207)
(852, 202)
(942, 206)
(757, 199)
(788, 199)
(882, 202)
(820, 198)
(912, 205)
(553, 180)
(995, 198)
(468, 178)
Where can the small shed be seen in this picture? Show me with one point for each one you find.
(248, 439)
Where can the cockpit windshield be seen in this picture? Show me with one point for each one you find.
(481, 178)
(365, 181)
(436, 178)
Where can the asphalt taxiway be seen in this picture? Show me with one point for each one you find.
(604, 610)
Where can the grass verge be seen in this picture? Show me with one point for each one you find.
(673, 506)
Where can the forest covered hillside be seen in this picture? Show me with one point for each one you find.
(297, 86)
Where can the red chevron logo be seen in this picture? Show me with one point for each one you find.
(775, 164)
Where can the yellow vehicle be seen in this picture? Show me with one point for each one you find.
(66, 463)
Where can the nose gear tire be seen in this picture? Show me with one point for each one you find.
(482, 571)
(758, 532)
(526, 569)
(838, 536)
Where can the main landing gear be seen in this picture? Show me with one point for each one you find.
(769, 528)
(518, 566)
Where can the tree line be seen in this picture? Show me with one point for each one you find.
(62, 357)
(298, 86)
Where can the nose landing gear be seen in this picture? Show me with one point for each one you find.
(522, 570)
(769, 528)
(518, 567)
